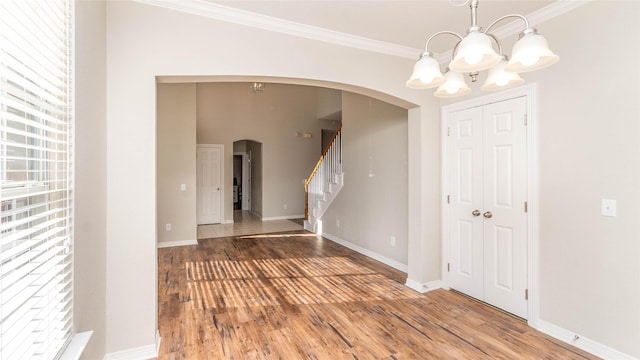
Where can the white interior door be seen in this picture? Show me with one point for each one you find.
(505, 194)
(209, 183)
(465, 164)
(488, 185)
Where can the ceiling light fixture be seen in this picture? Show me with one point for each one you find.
(474, 53)
(257, 87)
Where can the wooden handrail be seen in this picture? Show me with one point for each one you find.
(315, 169)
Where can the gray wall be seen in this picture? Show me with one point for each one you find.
(90, 193)
(176, 162)
(372, 206)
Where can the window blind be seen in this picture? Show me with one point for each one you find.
(36, 153)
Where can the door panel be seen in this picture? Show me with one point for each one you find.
(208, 183)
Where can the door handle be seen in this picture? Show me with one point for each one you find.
(475, 213)
(488, 214)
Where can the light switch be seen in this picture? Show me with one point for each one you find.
(183, 187)
(608, 207)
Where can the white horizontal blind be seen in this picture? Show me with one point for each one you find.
(36, 178)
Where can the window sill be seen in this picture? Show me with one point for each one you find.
(76, 346)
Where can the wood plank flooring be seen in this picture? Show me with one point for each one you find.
(297, 296)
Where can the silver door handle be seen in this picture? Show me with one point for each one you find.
(488, 214)
(475, 213)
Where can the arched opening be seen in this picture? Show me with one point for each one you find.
(247, 176)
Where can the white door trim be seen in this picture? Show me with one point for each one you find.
(530, 91)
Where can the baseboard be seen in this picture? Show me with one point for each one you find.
(166, 244)
(226, 221)
(140, 353)
(582, 342)
(424, 287)
(374, 255)
(286, 217)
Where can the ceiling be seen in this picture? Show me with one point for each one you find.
(399, 22)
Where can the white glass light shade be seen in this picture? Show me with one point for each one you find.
(474, 54)
(426, 74)
(498, 78)
(530, 53)
(453, 87)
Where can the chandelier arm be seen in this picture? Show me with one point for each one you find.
(526, 22)
(426, 47)
(497, 42)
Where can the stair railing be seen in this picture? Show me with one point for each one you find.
(329, 164)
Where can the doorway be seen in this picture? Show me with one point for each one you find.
(488, 186)
(247, 176)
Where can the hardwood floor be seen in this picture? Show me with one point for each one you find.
(297, 296)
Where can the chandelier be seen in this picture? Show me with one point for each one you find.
(474, 53)
(257, 87)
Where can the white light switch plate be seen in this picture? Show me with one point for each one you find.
(608, 207)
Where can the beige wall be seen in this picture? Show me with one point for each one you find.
(587, 285)
(176, 162)
(90, 193)
(588, 149)
(255, 152)
(229, 112)
(372, 206)
(141, 47)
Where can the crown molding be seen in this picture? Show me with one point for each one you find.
(264, 22)
(270, 23)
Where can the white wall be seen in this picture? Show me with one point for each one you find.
(372, 206)
(176, 162)
(142, 46)
(90, 175)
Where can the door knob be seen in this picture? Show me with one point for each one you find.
(488, 214)
(475, 213)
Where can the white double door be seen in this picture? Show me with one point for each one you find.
(487, 210)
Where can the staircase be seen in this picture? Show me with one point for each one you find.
(324, 183)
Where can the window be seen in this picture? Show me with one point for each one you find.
(36, 153)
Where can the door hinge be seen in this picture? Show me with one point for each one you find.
(525, 119)
(526, 294)
(448, 131)
(448, 199)
(526, 206)
(448, 267)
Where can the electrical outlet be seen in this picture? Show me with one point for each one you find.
(167, 227)
(285, 206)
(392, 241)
(183, 187)
(337, 222)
